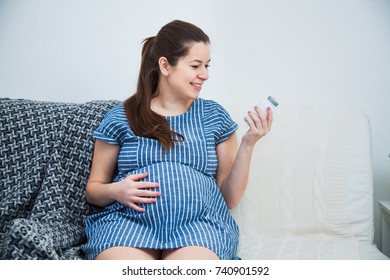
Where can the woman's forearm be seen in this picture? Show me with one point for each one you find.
(234, 185)
(99, 194)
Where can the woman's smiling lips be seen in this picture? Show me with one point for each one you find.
(197, 86)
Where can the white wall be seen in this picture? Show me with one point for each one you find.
(301, 51)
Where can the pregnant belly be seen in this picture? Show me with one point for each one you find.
(185, 193)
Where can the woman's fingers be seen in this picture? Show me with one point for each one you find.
(137, 192)
(146, 197)
(256, 120)
(145, 193)
(259, 124)
(263, 118)
(270, 117)
(138, 176)
(133, 181)
(136, 207)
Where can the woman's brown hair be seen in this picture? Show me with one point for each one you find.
(172, 42)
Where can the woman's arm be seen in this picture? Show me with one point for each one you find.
(233, 164)
(100, 191)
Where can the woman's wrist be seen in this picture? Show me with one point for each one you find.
(247, 145)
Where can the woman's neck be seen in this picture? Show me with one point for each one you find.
(165, 106)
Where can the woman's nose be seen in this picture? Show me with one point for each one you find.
(204, 74)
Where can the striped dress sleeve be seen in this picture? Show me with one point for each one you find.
(219, 120)
(113, 127)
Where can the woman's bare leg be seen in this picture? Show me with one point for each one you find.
(189, 253)
(128, 253)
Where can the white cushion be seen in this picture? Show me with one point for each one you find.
(310, 183)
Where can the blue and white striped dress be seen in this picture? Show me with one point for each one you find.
(191, 210)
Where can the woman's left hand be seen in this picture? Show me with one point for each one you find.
(259, 125)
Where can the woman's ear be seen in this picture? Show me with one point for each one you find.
(164, 65)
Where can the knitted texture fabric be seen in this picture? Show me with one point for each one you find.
(45, 158)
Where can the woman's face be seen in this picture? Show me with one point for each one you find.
(186, 79)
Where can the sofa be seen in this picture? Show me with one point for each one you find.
(310, 192)
(309, 195)
(45, 158)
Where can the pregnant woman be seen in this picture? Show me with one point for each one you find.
(175, 159)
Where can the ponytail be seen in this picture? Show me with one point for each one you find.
(143, 121)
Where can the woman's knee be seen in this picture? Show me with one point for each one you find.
(128, 253)
(189, 253)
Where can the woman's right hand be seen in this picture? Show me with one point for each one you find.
(131, 192)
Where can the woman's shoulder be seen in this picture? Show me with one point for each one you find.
(208, 102)
(116, 114)
(218, 121)
(213, 108)
(115, 118)
(114, 127)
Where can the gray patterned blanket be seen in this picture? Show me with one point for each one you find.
(45, 156)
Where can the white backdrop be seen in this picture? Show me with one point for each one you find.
(308, 52)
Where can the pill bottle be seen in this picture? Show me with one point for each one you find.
(268, 102)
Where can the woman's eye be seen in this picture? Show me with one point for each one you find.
(197, 66)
